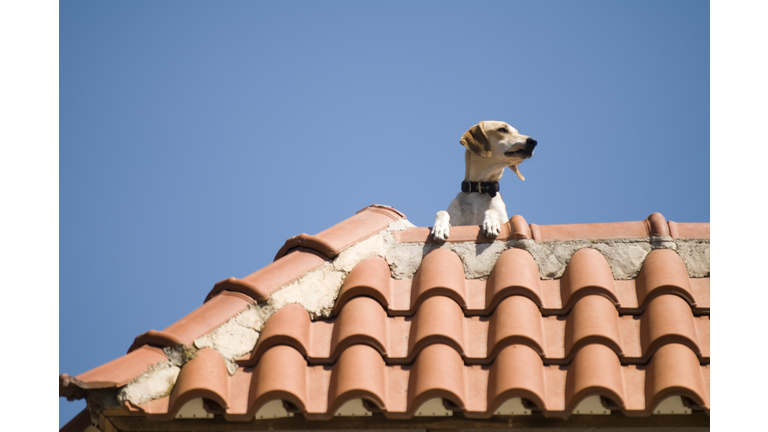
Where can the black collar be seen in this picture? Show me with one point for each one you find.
(490, 187)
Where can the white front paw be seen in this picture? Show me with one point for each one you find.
(491, 227)
(442, 227)
(440, 231)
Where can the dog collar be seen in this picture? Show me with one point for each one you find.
(489, 188)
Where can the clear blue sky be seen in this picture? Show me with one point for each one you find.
(196, 137)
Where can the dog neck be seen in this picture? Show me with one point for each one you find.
(480, 169)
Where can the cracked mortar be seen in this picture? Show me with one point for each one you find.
(155, 383)
(624, 256)
(318, 289)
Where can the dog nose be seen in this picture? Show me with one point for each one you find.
(531, 142)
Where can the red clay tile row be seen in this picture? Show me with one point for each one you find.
(438, 372)
(330, 242)
(515, 273)
(516, 320)
(517, 228)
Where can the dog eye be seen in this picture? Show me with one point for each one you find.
(503, 130)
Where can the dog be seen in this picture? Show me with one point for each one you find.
(491, 146)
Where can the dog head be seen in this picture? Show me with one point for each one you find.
(499, 141)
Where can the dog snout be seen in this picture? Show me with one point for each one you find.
(530, 142)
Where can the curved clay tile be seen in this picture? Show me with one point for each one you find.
(330, 242)
(361, 373)
(362, 320)
(587, 273)
(371, 278)
(674, 370)
(441, 273)
(516, 320)
(668, 319)
(262, 283)
(154, 338)
(288, 326)
(515, 273)
(280, 374)
(239, 389)
(116, 373)
(702, 330)
(517, 372)
(438, 372)
(657, 225)
(593, 319)
(414, 235)
(663, 272)
(207, 318)
(595, 370)
(519, 228)
(596, 231)
(701, 294)
(157, 409)
(205, 376)
(439, 319)
(689, 230)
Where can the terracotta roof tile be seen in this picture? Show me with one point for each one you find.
(205, 376)
(330, 242)
(262, 283)
(398, 344)
(515, 273)
(663, 272)
(202, 320)
(689, 230)
(439, 372)
(516, 320)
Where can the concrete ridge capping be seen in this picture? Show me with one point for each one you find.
(360, 372)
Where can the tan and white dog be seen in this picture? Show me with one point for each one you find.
(491, 147)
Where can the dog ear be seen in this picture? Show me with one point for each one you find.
(516, 170)
(476, 141)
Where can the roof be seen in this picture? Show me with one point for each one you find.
(370, 317)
